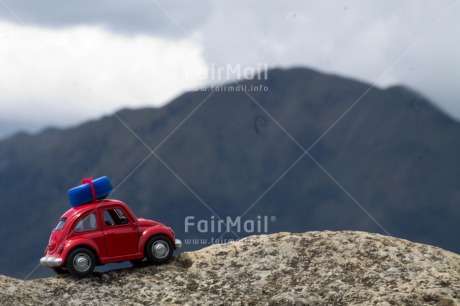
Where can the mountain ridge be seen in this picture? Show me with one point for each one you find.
(402, 87)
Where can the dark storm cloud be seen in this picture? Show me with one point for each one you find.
(127, 17)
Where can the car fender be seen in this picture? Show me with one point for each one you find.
(80, 242)
(154, 231)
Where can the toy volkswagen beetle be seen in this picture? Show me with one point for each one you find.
(106, 231)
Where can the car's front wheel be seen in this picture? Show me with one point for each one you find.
(81, 262)
(159, 249)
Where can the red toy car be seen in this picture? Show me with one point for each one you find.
(103, 232)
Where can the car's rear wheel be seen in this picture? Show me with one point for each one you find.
(60, 270)
(159, 249)
(81, 262)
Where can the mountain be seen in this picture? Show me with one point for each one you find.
(393, 157)
(316, 268)
(9, 127)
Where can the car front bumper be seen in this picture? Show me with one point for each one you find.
(178, 244)
(51, 262)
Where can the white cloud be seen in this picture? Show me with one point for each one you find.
(69, 75)
(360, 39)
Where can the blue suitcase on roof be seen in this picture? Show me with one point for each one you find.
(90, 191)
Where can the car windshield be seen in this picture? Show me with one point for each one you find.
(60, 225)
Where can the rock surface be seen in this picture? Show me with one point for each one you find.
(314, 268)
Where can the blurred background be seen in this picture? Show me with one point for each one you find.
(342, 115)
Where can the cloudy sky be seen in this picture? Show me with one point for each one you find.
(63, 62)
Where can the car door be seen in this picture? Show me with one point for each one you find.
(121, 235)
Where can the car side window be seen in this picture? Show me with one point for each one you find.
(60, 225)
(115, 216)
(88, 223)
(108, 219)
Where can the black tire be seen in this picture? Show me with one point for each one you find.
(81, 262)
(159, 249)
(60, 270)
